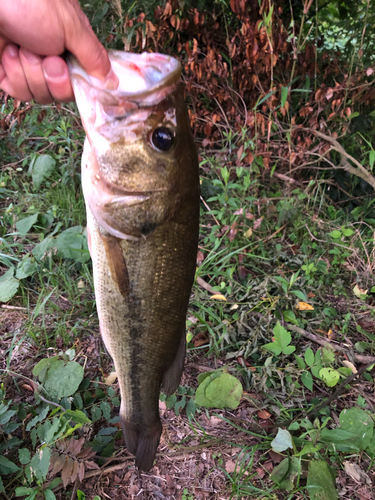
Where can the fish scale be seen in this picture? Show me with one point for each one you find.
(142, 222)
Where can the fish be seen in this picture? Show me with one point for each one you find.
(140, 180)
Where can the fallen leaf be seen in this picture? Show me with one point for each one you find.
(257, 223)
(350, 365)
(304, 306)
(230, 466)
(200, 257)
(218, 296)
(248, 233)
(311, 295)
(111, 378)
(358, 292)
(263, 414)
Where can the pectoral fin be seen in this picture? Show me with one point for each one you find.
(116, 263)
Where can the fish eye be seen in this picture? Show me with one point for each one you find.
(162, 139)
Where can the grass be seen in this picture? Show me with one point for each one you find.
(265, 248)
(283, 302)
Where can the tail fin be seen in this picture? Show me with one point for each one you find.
(142, 442)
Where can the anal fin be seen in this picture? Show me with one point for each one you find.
(172, 376)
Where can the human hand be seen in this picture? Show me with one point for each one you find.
(33, 34)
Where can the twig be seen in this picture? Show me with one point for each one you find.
(333, 243)
(360, 171)
(321, 341)
(208, 208)
(4, 306)
(205, 285)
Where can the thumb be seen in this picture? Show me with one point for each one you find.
(91, 54)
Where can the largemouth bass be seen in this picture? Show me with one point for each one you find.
(141, 188)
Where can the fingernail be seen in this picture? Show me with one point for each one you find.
(111, 80)
(31, 58)
(12, 51)
(54, 67)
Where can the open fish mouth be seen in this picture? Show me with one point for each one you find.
(144, 80)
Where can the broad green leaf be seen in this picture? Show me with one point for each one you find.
(7, 467)
(27, 267)
(41, 368)
(282, 339)
(24, 455)
(42, 168)
(308, 448)
(219, 391)
(273, 347)
(179, 405)
(330, 376)
(63, 379)
(335, 234)
(23, 226)
(286, 472)
(96, 413)
(23, 491)
(328, 355)
(300, 362)
(40, 462)
(282, 441)
(40, 250)
(290, 317)
(190, 409)
(2, 489)
(372, 158)
(224, 391)
(106, 410)
(309, 356)
(347, 232)
(8, 285)
(72, 244)
(320, 481)
(171, 401)
(53, 432)
(49, 495)
(284, 95)
(212, 375)
(299, 294)
(307, 380)
(288, 349)
(200, 397)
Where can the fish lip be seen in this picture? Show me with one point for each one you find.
(169, 67)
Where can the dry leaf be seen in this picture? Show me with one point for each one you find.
(218, 296)
(67, 471)
(350, 365)
(248, 233)
(257, 223)
(200, 257)
(111, 378)
(230, 466)
(304, 306)
(263, 414)
(59, 461)
(81, 471)
(359, 291)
